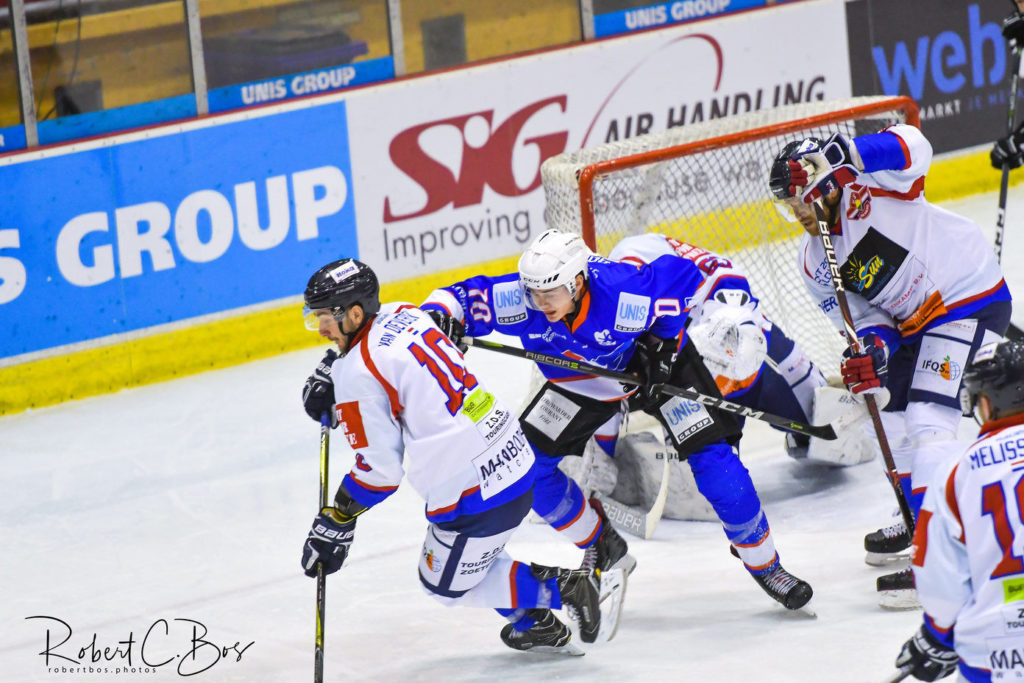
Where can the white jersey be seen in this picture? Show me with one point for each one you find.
(724, 282)
(407, 403)
(908, 265)
(969, 550)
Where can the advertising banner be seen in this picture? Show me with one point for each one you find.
(949, 56)
(447, 168)
(665, 13)
(164, 227)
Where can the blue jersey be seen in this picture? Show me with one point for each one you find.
(619, 304)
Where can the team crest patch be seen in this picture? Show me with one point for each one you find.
(860, 203)
(604, 338)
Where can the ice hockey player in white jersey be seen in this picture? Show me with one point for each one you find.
(566, 301)
(409, 405)
(924, 289)
(967, 558)
(754, 363)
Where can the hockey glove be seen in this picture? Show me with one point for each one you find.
(328, 542)
(931, 659)
(1008, 151)
(652, 362)
(1013, 28)
(834, 166)
(318, 393)
(451, 328)
(865, 372)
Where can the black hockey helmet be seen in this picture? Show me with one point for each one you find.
(997, 371)
(340, 284)
(779, 180)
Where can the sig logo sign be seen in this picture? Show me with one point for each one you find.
(489, 148)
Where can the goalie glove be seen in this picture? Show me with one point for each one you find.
(731, 342)
(833, 166)
(930, 659)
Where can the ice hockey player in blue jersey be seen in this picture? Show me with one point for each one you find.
(567, 301)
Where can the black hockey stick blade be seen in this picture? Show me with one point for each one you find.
(821, 431)
(1014, 333)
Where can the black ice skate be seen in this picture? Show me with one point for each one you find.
(610, 551)
(897, 591)
(580, 596)
(886, 545)
(547, 635)
(792, 592)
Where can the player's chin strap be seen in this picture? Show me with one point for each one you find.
(821, 431)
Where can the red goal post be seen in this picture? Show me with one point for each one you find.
(706, 184)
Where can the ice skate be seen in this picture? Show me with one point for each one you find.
(580, 591)
(887, 545)
(787, 589)
(610, 551)
(547, 635)
(896, 591)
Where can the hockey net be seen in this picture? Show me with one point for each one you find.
(706, 184)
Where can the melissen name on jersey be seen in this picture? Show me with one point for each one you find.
(986, 455)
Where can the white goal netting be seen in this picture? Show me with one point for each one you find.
(706, 184)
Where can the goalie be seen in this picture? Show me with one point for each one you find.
(754, 363)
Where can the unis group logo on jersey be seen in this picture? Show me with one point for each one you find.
(947, 369)
(509, 303)
(631, 313)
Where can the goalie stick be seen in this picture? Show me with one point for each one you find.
(321, 578)
(636, 520)
(851, 339)
(821, 432)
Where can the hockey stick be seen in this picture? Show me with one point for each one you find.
(1012, 332)
(821, 432)
(635, 520)
(321, 577)
(901, 673)
(851, 340)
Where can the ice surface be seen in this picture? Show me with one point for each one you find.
(191, 499)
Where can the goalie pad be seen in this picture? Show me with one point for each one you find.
(855, 442)
(638, 467)
(731, 342)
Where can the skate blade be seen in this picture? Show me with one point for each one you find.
(627, 562)
(902, 599)
(613, 593)
(570, 649)
(885, 559)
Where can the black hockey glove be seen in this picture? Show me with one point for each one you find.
(318, 392)
(931, 659)
(451, 328)
(328, 542)
(652, 362)
(1013, 28)
(1008, 151)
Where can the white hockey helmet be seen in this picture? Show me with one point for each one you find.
(552, 260)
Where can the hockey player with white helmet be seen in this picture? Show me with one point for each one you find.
(967, 557)
(566, 301)
(754, 363)
(409, 405)
(923, 286)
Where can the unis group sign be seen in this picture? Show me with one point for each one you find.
(126, 236)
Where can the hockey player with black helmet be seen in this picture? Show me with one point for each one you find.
(966, 557)
(923, 286)
(410, 407)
